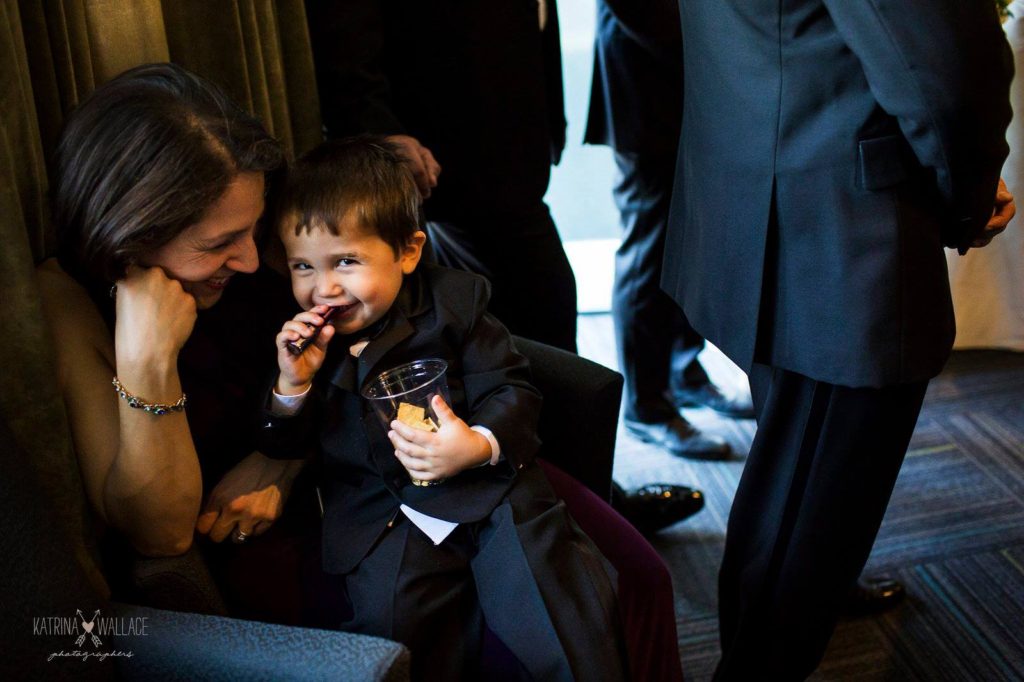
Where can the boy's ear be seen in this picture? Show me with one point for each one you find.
(412, 251)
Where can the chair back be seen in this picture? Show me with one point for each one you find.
(580, 416)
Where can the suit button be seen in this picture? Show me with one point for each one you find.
(268, 425)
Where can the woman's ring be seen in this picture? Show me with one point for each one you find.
(240, 536)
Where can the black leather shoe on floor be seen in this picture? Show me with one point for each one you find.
(873, 595)
(680, 438)
(658, 505)
(708, 395)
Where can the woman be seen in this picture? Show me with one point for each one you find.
(159, 189)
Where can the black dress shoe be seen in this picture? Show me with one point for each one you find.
(680, 438)
(708, 395)
(658, 505)
(873, 595)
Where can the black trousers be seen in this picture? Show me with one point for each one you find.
(657, 346)
(809, 504)
(528, 571)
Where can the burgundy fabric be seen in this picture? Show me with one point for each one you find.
(646, 601)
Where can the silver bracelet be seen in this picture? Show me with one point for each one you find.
(140, 404)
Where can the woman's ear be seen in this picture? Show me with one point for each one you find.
(412, 251)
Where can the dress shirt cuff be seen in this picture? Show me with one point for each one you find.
(495, 448)
(287, 405)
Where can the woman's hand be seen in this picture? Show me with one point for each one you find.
(155, 316)
(297, 370)
(430, 456)
(249, 498)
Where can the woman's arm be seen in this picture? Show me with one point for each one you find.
(141, 471)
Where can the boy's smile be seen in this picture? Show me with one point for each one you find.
(355, 271)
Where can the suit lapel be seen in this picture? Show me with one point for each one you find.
(343, 375)
(397, 331)
(412, 301)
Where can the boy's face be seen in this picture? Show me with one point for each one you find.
(355, 271)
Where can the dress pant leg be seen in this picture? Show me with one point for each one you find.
(809, 504)
(544, 590)
(533, 285)
(653, 337)
(422, 595)
(644, 585)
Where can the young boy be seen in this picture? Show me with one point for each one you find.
(485, 539)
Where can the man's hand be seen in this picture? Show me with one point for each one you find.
(249, 498)
(431, 456)
(1002, 213)
(420, 160)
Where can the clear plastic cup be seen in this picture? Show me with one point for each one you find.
(405, 392)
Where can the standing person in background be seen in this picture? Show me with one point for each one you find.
(483, 100)
(830, 150)
(475, 88)
(636, 106)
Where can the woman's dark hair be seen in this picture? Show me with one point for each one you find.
(142, 159)
(363, 174)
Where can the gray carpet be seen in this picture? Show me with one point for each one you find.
(954, 532)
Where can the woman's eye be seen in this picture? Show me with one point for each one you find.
(220, 246)
(300, 266)
(347, 261)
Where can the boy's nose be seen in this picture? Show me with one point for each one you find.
(328, 286)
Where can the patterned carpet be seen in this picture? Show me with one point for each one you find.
(954, 532)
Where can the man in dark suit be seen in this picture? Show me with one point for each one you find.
(830, 149)
(635, 108)
(478, 87)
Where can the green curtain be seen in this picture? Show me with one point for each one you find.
(53, 53)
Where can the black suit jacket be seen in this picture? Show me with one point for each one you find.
(440, 313)
(829, 149)
(636, 94)
(476, 82)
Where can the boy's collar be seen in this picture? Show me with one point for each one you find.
(412, 301)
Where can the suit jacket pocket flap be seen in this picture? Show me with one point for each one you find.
(882, 162)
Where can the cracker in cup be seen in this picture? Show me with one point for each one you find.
(416, 417)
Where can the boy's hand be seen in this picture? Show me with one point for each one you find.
(297, 370)
(431, 456)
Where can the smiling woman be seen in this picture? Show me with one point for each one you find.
(160, 184)
(205, 255)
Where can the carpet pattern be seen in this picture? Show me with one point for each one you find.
(954, 531)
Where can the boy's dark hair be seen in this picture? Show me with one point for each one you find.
(142, 159)
(365, 175)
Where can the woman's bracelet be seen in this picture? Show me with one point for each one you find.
(140, 404)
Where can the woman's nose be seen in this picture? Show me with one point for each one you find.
(246, 257)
